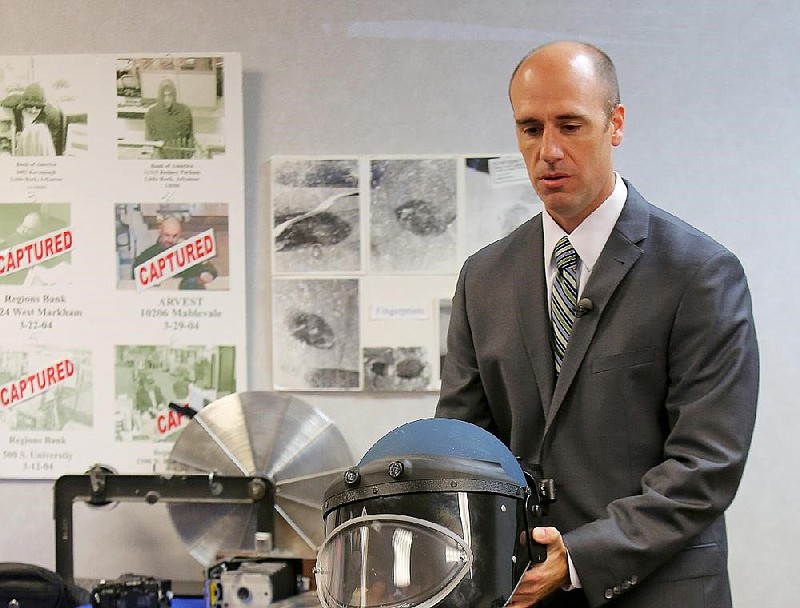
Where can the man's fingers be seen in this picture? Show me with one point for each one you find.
(545, 536)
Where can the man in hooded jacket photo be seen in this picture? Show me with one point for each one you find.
(170, 122)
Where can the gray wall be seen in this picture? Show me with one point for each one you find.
(712, 135)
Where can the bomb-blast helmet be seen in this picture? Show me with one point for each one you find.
(437, 513)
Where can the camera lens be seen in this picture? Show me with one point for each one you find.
(243, 593)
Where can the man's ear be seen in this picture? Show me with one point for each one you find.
(617, 125)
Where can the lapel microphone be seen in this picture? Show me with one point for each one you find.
(584, 305)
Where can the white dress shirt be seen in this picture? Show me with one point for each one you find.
(588, 238)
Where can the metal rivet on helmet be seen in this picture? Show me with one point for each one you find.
(352, 476)
(396, 469)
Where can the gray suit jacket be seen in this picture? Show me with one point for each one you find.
(647, 428)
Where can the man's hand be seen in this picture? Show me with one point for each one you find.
(541, 580)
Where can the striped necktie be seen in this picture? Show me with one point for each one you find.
(564, 297)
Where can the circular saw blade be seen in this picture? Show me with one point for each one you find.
(279, 437)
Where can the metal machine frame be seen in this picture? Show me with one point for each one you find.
(100, 487)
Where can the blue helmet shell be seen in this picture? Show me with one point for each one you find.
(446, 437)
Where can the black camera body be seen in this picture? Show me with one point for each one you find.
(132, 591)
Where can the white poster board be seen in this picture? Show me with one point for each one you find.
(366, 252)
(122, 275)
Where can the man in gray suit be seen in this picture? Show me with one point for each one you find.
(638, 394)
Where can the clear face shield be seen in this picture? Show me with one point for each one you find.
(390, 561)
(436, 514)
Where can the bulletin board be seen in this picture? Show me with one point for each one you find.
(122, 289)
(365, 254)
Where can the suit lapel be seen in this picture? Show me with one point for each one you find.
(620, 253)
(532, 310)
